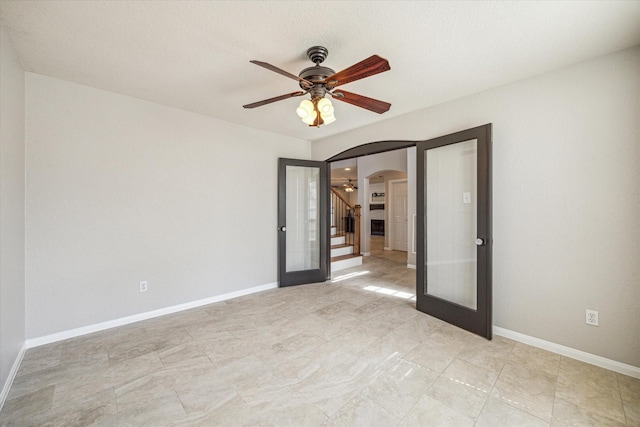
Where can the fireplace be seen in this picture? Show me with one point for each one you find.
(377, 227)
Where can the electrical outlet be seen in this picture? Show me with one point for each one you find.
(592, 317)
(144, 286)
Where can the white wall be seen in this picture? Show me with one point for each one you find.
(566, 198)
(121, 190)
(12, 187)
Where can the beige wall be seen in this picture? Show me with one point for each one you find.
(566, 198)
(121, 190)
(12, 188)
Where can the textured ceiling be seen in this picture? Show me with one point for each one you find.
(194, 55)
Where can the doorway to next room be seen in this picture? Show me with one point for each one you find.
(379, 185)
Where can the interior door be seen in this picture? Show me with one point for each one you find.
(302, 222)
(454, 227)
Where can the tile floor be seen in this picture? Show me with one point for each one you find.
(353, 352)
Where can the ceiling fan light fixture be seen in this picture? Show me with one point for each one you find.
(349, 188)
(309, 111)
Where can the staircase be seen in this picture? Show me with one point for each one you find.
(342, 255)
(345, 233)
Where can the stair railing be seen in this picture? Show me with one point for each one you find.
(346, 219)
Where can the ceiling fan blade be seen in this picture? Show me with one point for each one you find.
(368, 67)
(270, 100)
(283, 72)
(362, 101)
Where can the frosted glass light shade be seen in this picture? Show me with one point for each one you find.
(305, 110)
(325, 107)
(328, 118)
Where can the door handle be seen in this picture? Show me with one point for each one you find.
(479, 242)
(283, 228)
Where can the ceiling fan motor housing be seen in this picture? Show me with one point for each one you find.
(316, 75)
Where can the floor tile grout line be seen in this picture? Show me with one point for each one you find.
(493, 385)
(624, 413)
(555, 389)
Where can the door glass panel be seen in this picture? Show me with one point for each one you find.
(303, 206)
(451, 223)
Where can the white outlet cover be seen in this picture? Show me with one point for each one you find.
(591, 317)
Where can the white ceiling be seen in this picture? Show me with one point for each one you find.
(194, 55)
(341, 176)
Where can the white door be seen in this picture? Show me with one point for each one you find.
(399, 219)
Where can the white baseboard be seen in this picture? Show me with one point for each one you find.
(603, 362)
(411, 266)
(387, 249)
(365, 253)
(59, 336)
(12, 375)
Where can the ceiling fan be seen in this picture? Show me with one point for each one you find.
(319, 81)
(346, 187)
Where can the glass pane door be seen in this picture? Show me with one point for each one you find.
(302, 217)
(451, 211)
(303, 206)
(454, 229)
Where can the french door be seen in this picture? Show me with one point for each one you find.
(302, 222)
(453, 278)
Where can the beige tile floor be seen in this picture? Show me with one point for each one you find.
(353, 352)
